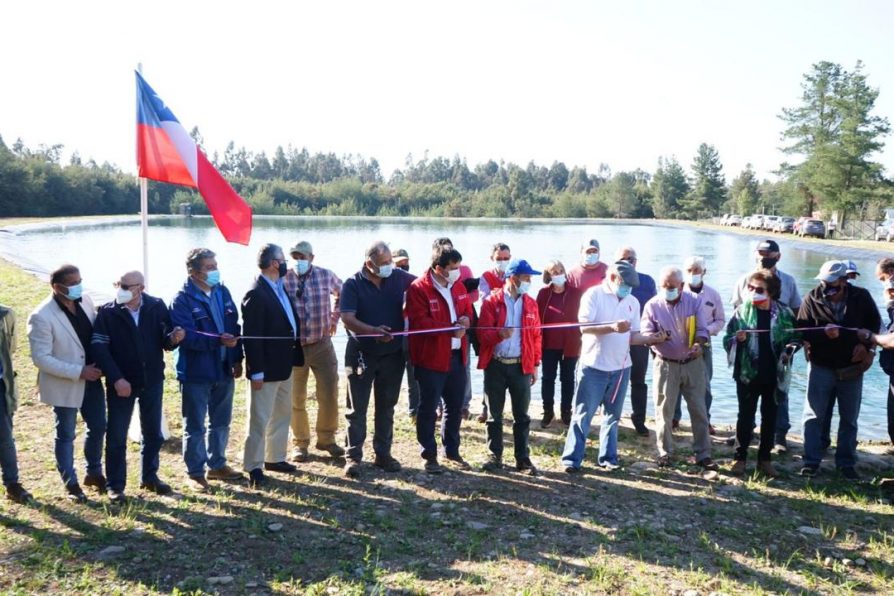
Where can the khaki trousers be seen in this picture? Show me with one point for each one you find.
(320, 358)
(669, 380)
(267, 436)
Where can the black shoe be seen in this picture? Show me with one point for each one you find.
(809, 470)
(548, 416)
(572, 470)
(98, 482)
(849, 473)
(493, 464)
(641, 429)
(256, 478)
(387, 463)
(566, 417)
(75, 493)
(433, 467)
(158, 487)
(16, 493)
(280, 466)
(525, 466)
(458, 461)
(352, 468)
(116, 497)
(708, 464)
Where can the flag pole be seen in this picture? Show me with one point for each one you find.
(144, 214)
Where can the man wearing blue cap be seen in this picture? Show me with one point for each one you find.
(510, 341)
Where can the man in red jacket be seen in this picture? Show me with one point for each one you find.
(510, 339)
(435, 301)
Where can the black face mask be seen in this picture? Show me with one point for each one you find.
(768, 262)
(404, 267)
(283, 268)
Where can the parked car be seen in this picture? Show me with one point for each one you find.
(756, 222)
(785, 224)
(769, 222)
(813, 227)
(796, 227)
(885, 230)
(734, 220)
(746, 222)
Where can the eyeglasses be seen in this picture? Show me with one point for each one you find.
(757, 289)
(118, 284)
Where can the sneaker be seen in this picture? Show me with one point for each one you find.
(433, 467)
(280, 466)
(299, 455)
(224, 473)
(332, 449)
(566, 417)
(98, 482)
(116, 497)
(641, 429)
(766, 468)
(256, 478)
(548, 417)
(708, 464)
(352, 468)
(738, 468)
(663, 461)
(609, 467)
(493, 464)
(158, 487)
(387, 463)
(199, 483)
(525, 466)
(849, 473)
(809, 470)
(75, 494)
(16, 493)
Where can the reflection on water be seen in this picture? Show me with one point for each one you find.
(103, 252)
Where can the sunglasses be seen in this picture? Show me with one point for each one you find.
(757, 289)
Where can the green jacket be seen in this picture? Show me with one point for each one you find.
(7, 347)
(744, 357)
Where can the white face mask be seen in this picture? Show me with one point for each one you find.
(591, 258)
(124, 296)
(502, 265)
(695, 279)
(523, 287)
(453, 276)
(558, 280)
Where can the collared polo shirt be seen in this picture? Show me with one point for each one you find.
(611, 351)
(377, 305)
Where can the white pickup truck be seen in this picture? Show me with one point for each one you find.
(885, 231)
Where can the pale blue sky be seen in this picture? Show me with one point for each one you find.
(583, 82)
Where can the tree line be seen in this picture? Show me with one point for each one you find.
(832, 136)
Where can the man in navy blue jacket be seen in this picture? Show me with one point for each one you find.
(130, 335)
(208, 360)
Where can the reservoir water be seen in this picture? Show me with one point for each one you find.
(105, 250)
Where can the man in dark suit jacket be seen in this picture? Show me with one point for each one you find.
(268, 313)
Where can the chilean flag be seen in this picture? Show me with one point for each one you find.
(166, 152)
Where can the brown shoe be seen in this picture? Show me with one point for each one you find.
(708, 464)
(738, 468)
(200, 484)
(766, 468)
(299, 455)
(224, 473)
(16, 493)
(332, 449)
(98, 482)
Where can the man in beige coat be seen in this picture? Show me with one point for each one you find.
(59, 332)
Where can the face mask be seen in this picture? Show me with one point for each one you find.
(671, 294)
(503, 266)
(404, 267)
(453, 276)
(75, 292)
(558, 281)
(829, 291)
(124, 296)
(623, 291)
(523, 287)
(283, 269)
(768, 262)
(302, 266)
(759, 298)
(695, 279)
(385, 270)
(591, 258)
(213, 278)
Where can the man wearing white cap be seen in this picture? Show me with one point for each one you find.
(852, 272)
(838, 359)
(590, 271)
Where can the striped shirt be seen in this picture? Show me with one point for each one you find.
(311, 294)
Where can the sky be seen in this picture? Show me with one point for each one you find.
(583, 82)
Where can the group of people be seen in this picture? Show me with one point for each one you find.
(592, 328)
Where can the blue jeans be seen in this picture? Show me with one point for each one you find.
(120, 413)
(435, 385)
(214, 400)
(93, 412)
(8, 460)
(597, 387)
(822, 388)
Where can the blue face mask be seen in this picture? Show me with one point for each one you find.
(671, 294)
(385, 270)
(213, 278)
(623, 291)
(302, 266)
(523, 287)
(75, 291)
(591, 258)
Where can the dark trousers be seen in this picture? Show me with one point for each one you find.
(435, 386)
(120, 413)
(499, 377)
(748, 396)
(8, 459)
(891, 411)
(412, 383)
(639, 391)
(552, 361)
(93, 412)
(380, 376)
